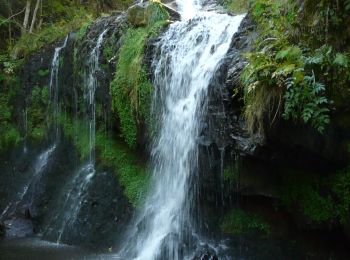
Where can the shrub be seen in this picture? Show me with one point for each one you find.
(284, 79)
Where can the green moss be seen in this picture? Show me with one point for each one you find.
(340, 186)
(236, 6)
(130, 172)
(239, 222)
(9, 133)
(108, 52)
(231, 172)
(9, 85)
(77, 130)
(322, 199)
(131, 89)
(36, 113)
(43, 72)
(83, 29)
(112, 153)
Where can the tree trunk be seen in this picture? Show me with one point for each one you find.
(10, 24)
(26, 17)
(41, 15)
(34, 16)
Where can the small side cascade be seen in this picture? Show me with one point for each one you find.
(54, 86)
(92, 85)
(25, 196)
(61, 226)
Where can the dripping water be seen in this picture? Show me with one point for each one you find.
(54, 86)
(42, 160)
(77, 188)
(92, 84)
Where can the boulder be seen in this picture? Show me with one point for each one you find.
(137, 15)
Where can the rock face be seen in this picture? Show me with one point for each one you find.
(223, 137)
(137, 15)
(2, 230)
(105, 210)
(224, 143)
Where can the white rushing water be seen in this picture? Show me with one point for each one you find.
(188, 55)
(54, 84)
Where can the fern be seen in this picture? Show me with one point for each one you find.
(307, 101)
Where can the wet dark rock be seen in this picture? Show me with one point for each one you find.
(18, 227)
(103, 215)
(223, 137)
(137, 15)
(27, 214)
(105, 209)
(2, 229)
(205, 253)
(224, 124)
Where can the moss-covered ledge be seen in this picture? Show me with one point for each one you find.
(131, 89)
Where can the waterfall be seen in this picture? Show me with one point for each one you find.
(187, 56)
(31, 186)
(91, 89)
(42, 160)
(54, 85)
(77, 188)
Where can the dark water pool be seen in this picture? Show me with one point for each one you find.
(239, 249)
(36, 249)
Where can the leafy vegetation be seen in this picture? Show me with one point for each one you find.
(29, 43)
(285, 78)
(322, 199)
(36, 112)
(9, 85)
(130, 88)
(51, 21)
(240, 222)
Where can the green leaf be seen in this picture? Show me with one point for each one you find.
(341, 60)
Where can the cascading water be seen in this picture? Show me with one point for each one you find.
(77, 188)
(25, 196)
(54, 85)
(30, 187)
(91, 89)
(188, 55)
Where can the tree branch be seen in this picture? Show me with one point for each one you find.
(5, 21)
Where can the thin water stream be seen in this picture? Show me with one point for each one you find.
(76, 189)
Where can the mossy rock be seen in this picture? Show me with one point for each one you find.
(240, 222)
(137, 15)
(145, 14)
